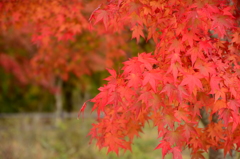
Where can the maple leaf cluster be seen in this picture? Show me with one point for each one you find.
(195, 67)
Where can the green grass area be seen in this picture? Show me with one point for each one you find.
(36, 138)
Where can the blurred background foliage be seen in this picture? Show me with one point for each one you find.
(25, 87)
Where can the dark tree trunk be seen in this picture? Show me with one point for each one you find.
(59, 101)
(68, 95)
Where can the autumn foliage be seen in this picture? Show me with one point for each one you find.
(194, 69)
(57, 40)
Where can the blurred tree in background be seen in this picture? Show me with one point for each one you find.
(50, 57)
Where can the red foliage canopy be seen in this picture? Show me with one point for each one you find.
(195, 66)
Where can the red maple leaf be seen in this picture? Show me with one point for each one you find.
(152, 77)
(193, 82)
(102, 15)
(137, 32)
(134, 80)
(176, 153)
(165, 146)
(195, 53)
